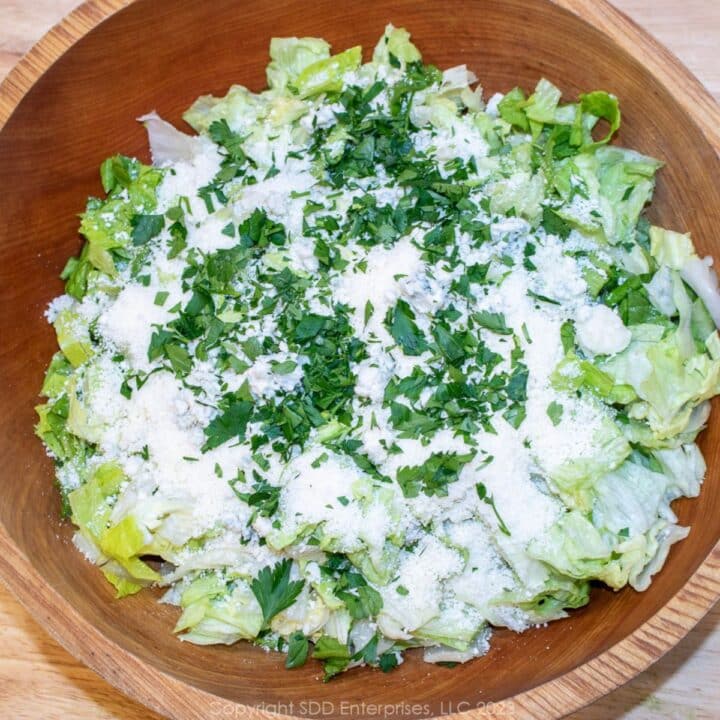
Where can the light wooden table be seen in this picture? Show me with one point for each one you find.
(38, 679)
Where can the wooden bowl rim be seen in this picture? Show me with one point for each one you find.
(556, 698)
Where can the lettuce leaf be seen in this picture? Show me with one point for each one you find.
(326, 75)
(107, 224)
(73, 337)
(290, 56)
(57, 376)
(668, 383)
(52, 429)
(575, 547)
(218, 611)
(395, 43)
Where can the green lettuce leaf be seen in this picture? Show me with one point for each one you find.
(669, 248)
(73, 337)
(456, 626)
(576, 548)
(395, 42)
(290, 56)
(669, 384)
(56, 376)
(557, 595)
(52, 429)
(602, 105)
(107, 224)
(326, 75)
(237, 108)
(217, 611)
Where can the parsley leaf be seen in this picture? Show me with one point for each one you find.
(417, 77)
(400, 321)
(309, 327)
(274, 590)
(258, 231)
(283, 368)
(449, 344)
(635, 308)
(350, 447)
(229, 424)
(495, 322)
(335, 655)
(489, 500)
(220, 132)
(298, 648)
(145, 228)
(361, 602)
(369, 310)
(179, 359)
(388, 660)
(178, 241)
(264, 497)
(567, 336)
(368, 654)
(553, 224)
(350, 586)
(165, 344)
(434, 475)
(235, 161)
(555, 412)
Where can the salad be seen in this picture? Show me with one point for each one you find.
(371, 362)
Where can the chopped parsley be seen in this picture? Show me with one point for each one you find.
(434, 475)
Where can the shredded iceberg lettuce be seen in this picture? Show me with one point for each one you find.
(370, 364)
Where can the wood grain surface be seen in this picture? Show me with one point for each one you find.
(38, 679)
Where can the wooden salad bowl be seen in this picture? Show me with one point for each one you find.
(73, 101)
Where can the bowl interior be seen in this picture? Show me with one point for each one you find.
(161, 54)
